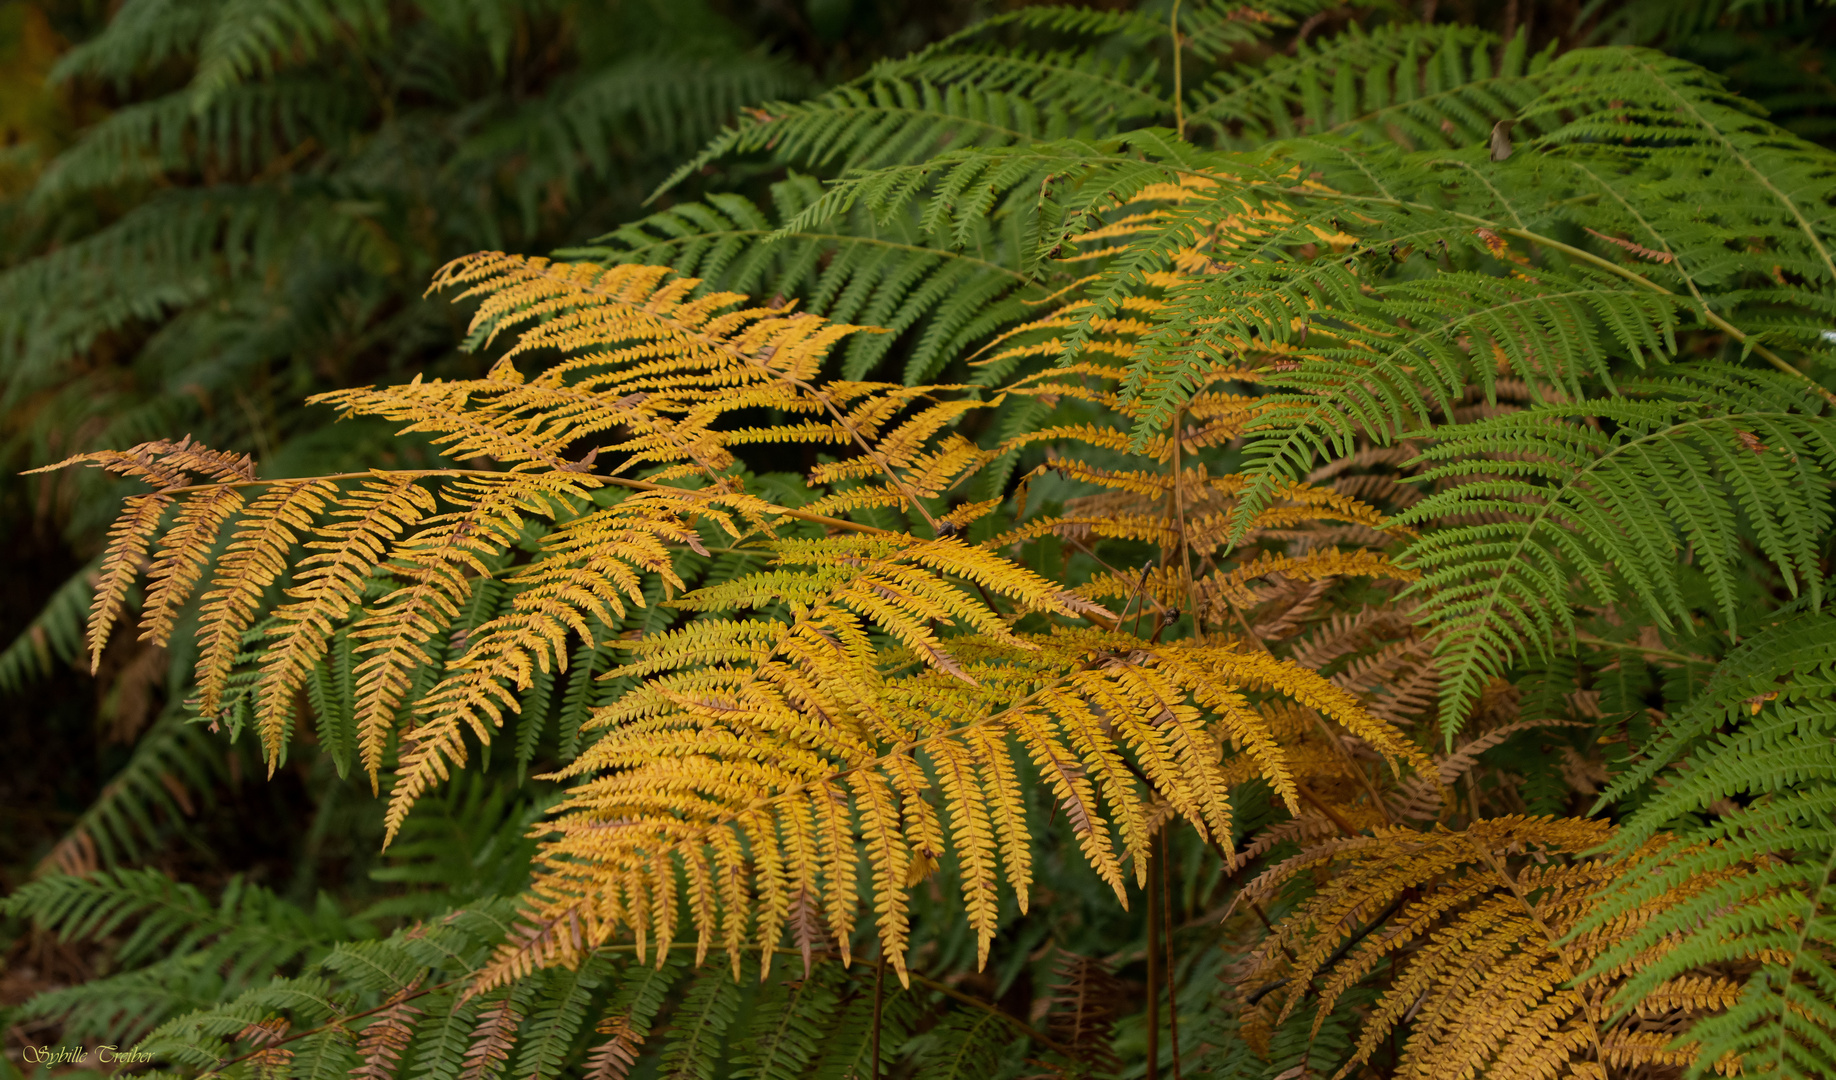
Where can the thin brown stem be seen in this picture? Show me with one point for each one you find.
(1166, 919)
(1185, 545)
(616, 481)
(1179, 88)
(879, 999)
(1325, 808)
(1153, 957)
(1662, 654)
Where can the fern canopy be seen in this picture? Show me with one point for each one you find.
(1278, 461)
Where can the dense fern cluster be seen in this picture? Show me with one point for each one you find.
(261, 191)
(1367, 493)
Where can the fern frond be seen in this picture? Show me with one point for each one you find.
(329, 583)
(254, 560)
(175, 767)
(143, 34)
(1425, 87)
(1086, 1000)
(254, 37)
(1074, 703)
(960, 93)
(386, 1036)
(57, 633)
(122, 562)
(790, 1022)
(170, 933)
(1751, 882)
(695, 1037)
(1487, 972)
(184, 549)
(1677, 476)
(492, 1039)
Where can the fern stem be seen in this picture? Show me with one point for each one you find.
(1665, 654)
(616, 481)
(1152, 910)
(1185, 544)
(879, 999)
(1166, 918)
(1179, 94)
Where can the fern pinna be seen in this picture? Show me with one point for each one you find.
(1295, 482)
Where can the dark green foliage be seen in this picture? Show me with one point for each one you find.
(182, 950)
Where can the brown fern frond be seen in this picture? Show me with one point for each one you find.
(122, 562)
(329, 583)
(1086, 1002)
(255, 559)
(1474, 927)
(441, 562)
(492, 1040)
(613, 1059)
(165, 465)
(868, 705)
(271, 1059)
(387, 1036)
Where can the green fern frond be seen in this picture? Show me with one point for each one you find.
(174, 938)
(1754, 802)
(847, 1049)
(1698, 465)
(1652, 21)
(142, 35)
(1424, 87)
(204, 1039)
(958, 93)
(175, 769)
(54, 636)
(471, 843)
(556, 1019)
(966, 1046)
(789, 1028)
(250, 38)
(698, 1029)
(240, 130)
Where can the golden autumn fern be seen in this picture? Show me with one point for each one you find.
(859, 679)
(1340, 489)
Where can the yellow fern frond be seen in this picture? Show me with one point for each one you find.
(441, 562)
(255, 559)
(122, 562)
(183, 553)
(330, 583)
(747, 730)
